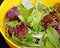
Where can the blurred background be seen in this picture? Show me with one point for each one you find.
(2, 41)
(1, 1)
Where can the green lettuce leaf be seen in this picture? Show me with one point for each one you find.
(35, 16)
(42, 44)
(29, 47)
(21, 18)
(50, 45)
(53, 36)
(37, 26)
(24, 12)
(13, 23)
(42, 7)
(23, 41)
(42, 41)
(34, 21)
(29, 38)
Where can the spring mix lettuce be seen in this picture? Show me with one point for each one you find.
(34, 27)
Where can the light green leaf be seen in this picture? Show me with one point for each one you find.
(40, 35)
(25, 42)
(21, 18)
(37, 26)
(24, 12)
(50, 45)
(35, 16)
(29, 47)
(13, 23)
(42, 41)
(34, 21)
(42, 44)
(53, 36)
(42, 7)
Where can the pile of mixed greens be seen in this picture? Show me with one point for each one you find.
(37, 27)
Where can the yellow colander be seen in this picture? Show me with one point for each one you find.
(8, 4)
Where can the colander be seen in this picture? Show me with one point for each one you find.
(4, 8)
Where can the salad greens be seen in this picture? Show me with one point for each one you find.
(50, 40)
(13, 23)
(49, 45)
(21, 18)
(34, 21)
(24, 12)
(35, 16)
(42, 8)
(53, 36)
(37, 36)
